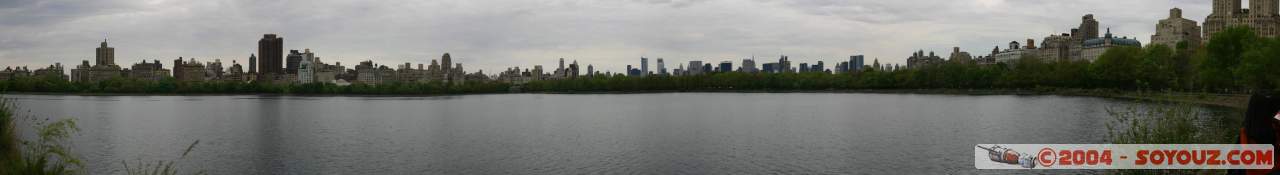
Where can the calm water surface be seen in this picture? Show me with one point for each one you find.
(674, 133)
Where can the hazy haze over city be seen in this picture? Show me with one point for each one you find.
(495, 34)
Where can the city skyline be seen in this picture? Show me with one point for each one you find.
(484, 38)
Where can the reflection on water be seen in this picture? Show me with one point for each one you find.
(675, 133)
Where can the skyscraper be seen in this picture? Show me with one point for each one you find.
(644, 66)
(292, 61)
(271, 48)
(1263, 16)
(1088, 28)
(446, 61)
(662, 68)
(749, 65)
(784, 65)
(106, 55)
(856, 63)
(253, 64)
(560, 71)
(695, 68)
(820, 67)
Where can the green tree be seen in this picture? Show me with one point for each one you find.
(1259, 67)
(1117, 67)
(1223, 54)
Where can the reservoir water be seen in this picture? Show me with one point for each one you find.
(667, 133)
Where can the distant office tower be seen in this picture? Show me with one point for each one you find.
(804, 67)
(291, 62)
(253, 64)
(631, 72)
(749, 66)
(784, 65)
(644, 66)
(769, 67)
(856, 63)
(818, 67)
(707, 68)
(591, 70)
(271, 48)
(695, 68)
(106, 55)
(726, 66)
(573, 69)
(662, 68)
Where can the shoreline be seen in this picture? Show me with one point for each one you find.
(1238, 101)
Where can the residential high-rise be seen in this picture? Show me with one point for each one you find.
(1094, 48)
(105, 67)
(447, 62)
(963, 57)
(292, 61)
(1088, 29)
(307, 65)
(105, 55)
(271, 48)
(1170, 31)
(920, 60)
(1263, 16)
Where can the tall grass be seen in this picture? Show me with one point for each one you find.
(1167, 123)
(159, 167)
(47, 155)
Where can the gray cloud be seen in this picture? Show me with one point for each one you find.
(495, 34)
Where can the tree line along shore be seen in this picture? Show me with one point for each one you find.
(1236, 61)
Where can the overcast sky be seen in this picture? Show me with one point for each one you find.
(495, 34)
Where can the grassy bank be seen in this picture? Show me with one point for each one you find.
(1170, 121)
